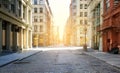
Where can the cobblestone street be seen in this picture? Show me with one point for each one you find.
(62, 61)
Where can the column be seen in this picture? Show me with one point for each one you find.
(26, 14)
(8, 35)
(27, 38)
(14, 39)
(16, 6)
(30, 39)
(21, 10)
(0, 35)
(30, 17)
(21, 32)
(23, 39)
(24, 42)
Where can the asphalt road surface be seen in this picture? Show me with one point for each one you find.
(59, 61)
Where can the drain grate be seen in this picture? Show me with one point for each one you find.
(22, 62)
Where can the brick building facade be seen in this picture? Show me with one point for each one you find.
(111, 24)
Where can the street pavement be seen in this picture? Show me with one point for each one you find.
(112, 59)
(4, 60)
(60, 61)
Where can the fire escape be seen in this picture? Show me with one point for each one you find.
(112, 17)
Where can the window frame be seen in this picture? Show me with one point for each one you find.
(35, 10)
(35, 2)
(81, 6)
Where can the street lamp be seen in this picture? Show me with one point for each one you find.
(85, 45)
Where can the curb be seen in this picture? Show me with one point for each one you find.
(8, 63)
(19, 57)
(118, 68)
(28, 56)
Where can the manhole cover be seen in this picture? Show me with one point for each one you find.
(21, 62)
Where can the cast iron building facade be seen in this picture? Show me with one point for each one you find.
(95, 21)
(79, 21)
(42, 21)
(15, 25)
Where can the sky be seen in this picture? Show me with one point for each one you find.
(60, 10)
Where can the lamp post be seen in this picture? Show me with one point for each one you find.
(85, 45)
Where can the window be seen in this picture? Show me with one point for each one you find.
(24, 11)
(35, 2)
(35, 28)
(116, 2)
(41, 20)
(81, 6)
(85, 22)
(35, 10)
(107, 4)
(41, 28)
(81, 22)
(85, 6)
(40, 1)
(5, 3)
(35, 18)
(81, 14)
(74, 7)
(19, 8)
(13, 6)
(85, 14)
(41, 10)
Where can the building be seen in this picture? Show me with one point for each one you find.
(54, 35)
(15, 25)
(67, 33)
(95, 21)
(42, 22)
(79, 20)
(111, 24)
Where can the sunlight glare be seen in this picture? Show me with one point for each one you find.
(57, 48)
(60, 10)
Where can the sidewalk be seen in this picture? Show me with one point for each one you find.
(4, 60)
(112, 59)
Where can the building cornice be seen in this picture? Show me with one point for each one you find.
(11, 18)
